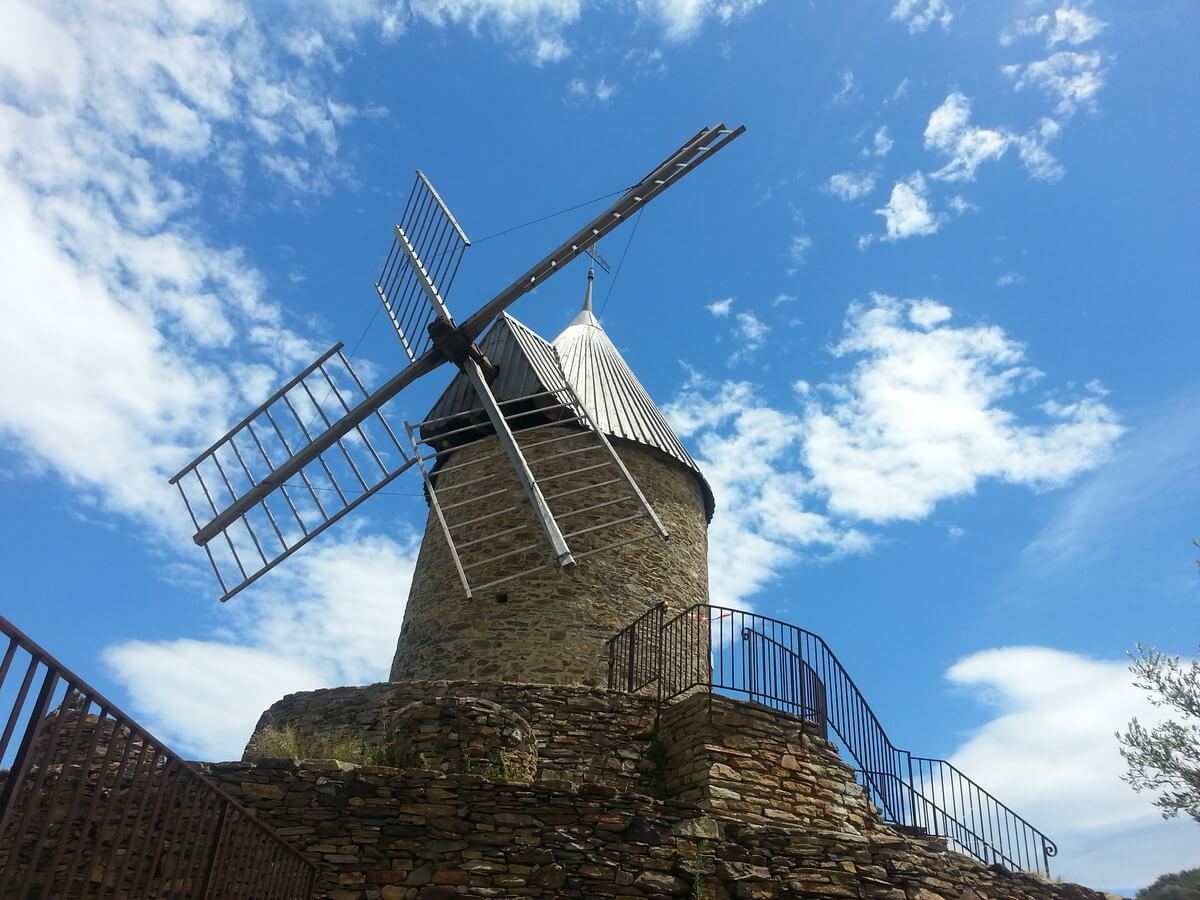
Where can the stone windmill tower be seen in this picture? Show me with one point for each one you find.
(536, 622)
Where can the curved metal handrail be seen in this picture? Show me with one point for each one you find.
(906, 788)
(818, 707)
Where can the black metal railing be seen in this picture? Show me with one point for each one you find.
(787, 668)
(633, 654)
(91, 804)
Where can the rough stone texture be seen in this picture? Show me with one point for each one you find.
(720, 799)
(552, 627)
(100, 802)
(464, 734)
(391, 834)
(746, 762)
(579, 734)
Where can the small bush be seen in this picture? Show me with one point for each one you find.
(288, 743)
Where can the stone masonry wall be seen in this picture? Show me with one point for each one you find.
(390, 834)
(746, 762)
(464, 734)
(551, 627)
(579, 734)
(720, 799)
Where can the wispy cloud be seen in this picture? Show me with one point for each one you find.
(849, 91)
(950, 132)
(920, 14)
(720, 307)
(966, 146)
(908, 212)
(683, 19)
(850, 186)
(330, 617)
(1071, 77)
(798, 248)
(752, 330)
(881, 143)
(99, 158)
(922, 416)
(599, 90)
(1049, 750)
(1154, 478)
(1066, 25)
(748, 450)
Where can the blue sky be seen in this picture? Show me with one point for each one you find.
(927, 327)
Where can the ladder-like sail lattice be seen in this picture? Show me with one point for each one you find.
(491, 531)
(242, 541)
(428, 233)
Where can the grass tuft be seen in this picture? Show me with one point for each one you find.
(288, 743)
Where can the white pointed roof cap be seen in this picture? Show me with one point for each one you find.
(612, 393)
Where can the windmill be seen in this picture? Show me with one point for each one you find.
(321, 444)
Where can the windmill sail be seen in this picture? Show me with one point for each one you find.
(288, 471)
(427, 232)
(248, 516)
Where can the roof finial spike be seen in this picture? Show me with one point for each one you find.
(587, 298)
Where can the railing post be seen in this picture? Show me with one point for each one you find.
(211, 864)
(21, 763)
(632, 667)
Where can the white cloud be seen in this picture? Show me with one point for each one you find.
(682, 19)
(961, 204)
(851, 185)
(1008, 279)
(1133, 504)
(848, 92)
(1066, 25)
(950, 132)
(799, 247)
(604, 91)
(881, 144)
(967, 146)
(537, 26)
(132, 373)
(916, 421)
(748, 451)
(600, 89)
(1071, 77)
(907, 213)
(919, 418)
(1050, 753)
(752, 330)
(720, 307)
(920, 14)
(330, 617)
(540, 27)
(159, 336)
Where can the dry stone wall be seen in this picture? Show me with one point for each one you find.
(464, 734)
(718, 799)
(578, 734)
(391, 834)
(551, 627)
(746, 762)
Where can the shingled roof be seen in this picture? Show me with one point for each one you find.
(613, 395)
(583, 356)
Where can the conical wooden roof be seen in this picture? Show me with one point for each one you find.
(613, 395)
(583, 357)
